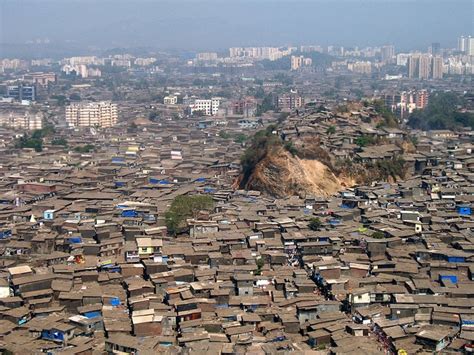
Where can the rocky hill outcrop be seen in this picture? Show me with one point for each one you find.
(282, 174)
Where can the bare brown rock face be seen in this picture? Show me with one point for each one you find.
(281, 174)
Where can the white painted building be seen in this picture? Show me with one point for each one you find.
(92, 114)
(208, 107)
(170, 100)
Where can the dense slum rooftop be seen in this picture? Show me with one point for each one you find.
(88, 265)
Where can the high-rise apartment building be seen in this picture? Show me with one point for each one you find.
(463, 44)
(425, 67)
(93, 114)
(419, 66)
(290, 101)
(298, 62)
(421, 99)
(437, 67)
(470, 46)
(403, 103)
(413, 64)
(388, 53)
(435, 48)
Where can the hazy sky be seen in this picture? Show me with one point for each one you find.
(218, 24)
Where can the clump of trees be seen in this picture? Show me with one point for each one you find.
(84, 148)
(315, 224)
(237, 138)
(290, 147)
(378, 235)
(364, 141)
(260, 264)
(263, 142)
(184, 207)
(59, 141)
(391, 168)
(442, 112)
(331, 130)
(240, 138)
(389, 119)
(153, 116)
(35, 141)
(224, 135)
(268, 104)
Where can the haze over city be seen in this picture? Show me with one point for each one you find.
(214, 25)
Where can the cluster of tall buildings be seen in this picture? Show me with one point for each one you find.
(424, 66)
(403, 103)
(206, 56)
(466, 45)
(81, 70)
(124, 60)
(456, 65)
(298, 62)
(92, 114)
(16, 116)
(361, 67)
(387, 54)
(12, 64)
(259, 53)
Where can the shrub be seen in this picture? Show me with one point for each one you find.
(84, 149)
(378, 235)
(59, 141)
(184, 207)
(33, 142)
(291, 148)
(314, 224)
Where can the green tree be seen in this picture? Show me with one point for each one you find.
(282, 117)
(364, 141)
(260, 264)
(331, 130)
(35, 142)
(132, 127)
(388, 117)
(442, 112)
(84, 148)
(59, 141)
(240, 138)
(224, 135)
(184, 207)
(391, 167)
(268, 104)
(315, 224)
(259, 93)
(153, 116)
(262, 143)
(378, 235)
(61, 100)
(75, 97)
(289, 146)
